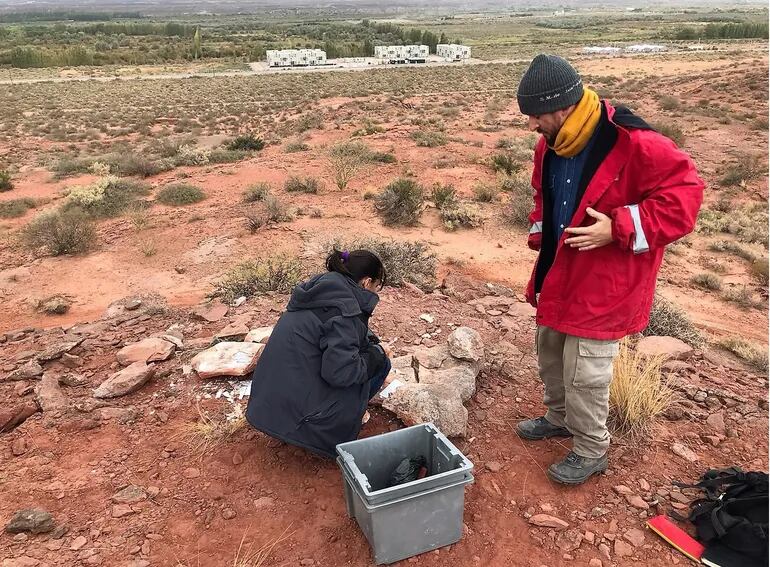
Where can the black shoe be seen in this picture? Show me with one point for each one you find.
(575, 469)
(540, 428)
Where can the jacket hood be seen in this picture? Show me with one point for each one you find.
(624, 116)
(333, 290)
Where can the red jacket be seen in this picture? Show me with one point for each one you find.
(651, 191)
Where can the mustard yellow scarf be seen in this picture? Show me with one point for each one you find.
(579, 126)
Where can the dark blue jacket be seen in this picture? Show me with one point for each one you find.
(311, 385)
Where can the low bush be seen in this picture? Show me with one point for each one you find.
(759, 269)
(429, 139)
(247, 143)
(129, 164)
(108, 197)
(668, 102)
(708, 281)
(461, 215)
(302, 185)
(296, 146)
(309, 121)
(6, 184)
(733, 248)
(520, 203)
(485, 193)
(178, 194)
(672, 131)
(276, 210)
(754, 355)
(743, 297)
(16, 207)
(401, 202)
(256, 192)
(253, 277)
(220, 155)
(505, 163)
(60, 232)
(668, 320)
(746, 168)
(405, 262)
(443, 196)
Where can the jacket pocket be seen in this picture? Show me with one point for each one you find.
(320, 415)
(593, 366)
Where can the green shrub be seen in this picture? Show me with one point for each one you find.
(108, 197)
(178, 194)
(733, 248)
(5, 180)
(277, 211)
(401, 202)
(755, 355)
(256, 192)
(505, 163)
(254, 277)
(708, 281)
(246, 143)
(309, 121)
(668, 102)
(521, 202)
(741, 296)
(220, 155)
(671, 131)
(255, 221)
(60, 232)
(429, 139)
(296, 146)
(382, 157)
(746, 168)
(668, 320)
(68, 166)
(300, 185)
(485, 193)
(405, 262)
(505, 143)
(759, 269)
(129, 164)
(443, 196)
(16, 207)
(461, 215)
(345, 159)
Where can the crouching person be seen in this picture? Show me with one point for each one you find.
(322, 365)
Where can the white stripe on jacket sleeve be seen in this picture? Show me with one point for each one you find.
(640, 240)
(536, 228)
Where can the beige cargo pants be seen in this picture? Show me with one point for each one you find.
(577, 373)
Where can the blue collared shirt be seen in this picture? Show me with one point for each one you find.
(565, 174)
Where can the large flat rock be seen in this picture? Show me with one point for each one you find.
(151, 349)
(227, 359)
(126, 381)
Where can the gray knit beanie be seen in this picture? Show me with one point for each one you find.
(550, 84)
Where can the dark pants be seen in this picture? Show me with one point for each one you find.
(379, 379)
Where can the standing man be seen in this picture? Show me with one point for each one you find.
(610, 194)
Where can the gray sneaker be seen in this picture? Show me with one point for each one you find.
(575, 469)
(540, 428)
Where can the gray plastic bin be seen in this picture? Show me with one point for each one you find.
(370, 461)
(414, 517)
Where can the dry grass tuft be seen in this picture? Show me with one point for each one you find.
(247, 556)
(638, 393)
(211, 431)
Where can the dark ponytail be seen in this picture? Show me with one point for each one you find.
(357, 265)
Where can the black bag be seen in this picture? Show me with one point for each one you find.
(734, 512)
(406, 471)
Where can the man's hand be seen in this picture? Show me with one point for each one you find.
(590, 237)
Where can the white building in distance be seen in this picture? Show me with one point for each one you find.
(401, 53)
(453, 51)
(295, 57)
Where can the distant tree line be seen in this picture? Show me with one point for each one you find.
(742, 30)
(21, 17)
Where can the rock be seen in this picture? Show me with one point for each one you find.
(259, 335)
(427, 317)
(132, 304)
(237, 459)
(436, 403)
(234, 331)
(635, 537)
(130, 495)
(548, 521)
(32, 520)
(191, 473)
(637, 501)
(466, 344)
(78, 543)
(264, 502)
(71, 361)
(494, 466)
(462, 378)
(27, 371)
(19, 447)
(152, 349)
(622, 549)
(622, 489)
(589, 537)
(644, 485)
(595, 563)
(21, 561)
(668, 347)
(121, 415)
(716, 422)
(211, 312)
(55, 305)
(71, 380)
(228, 513)
(604, 549)
(54, 352)
(11, 418)
(60, 531)
(431, 358)
(49, 394)
(684, 451)
(126, 381)
(121, 510)
(227, 359)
